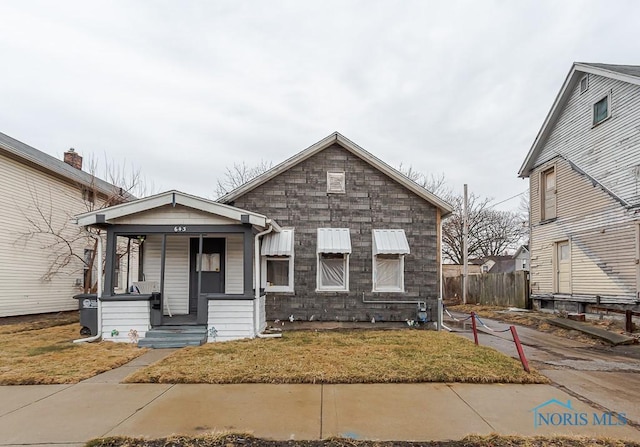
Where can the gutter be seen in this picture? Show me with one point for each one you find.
(257, 276)
(99, 293)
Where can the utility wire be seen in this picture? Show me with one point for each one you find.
(506, 200)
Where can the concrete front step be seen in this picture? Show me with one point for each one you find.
(174, 337)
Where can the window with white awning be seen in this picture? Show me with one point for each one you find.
(389, 249)
(277, 261)
(333, 250)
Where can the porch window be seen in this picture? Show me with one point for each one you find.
(389, 248)
(277, 261)
(334, 247)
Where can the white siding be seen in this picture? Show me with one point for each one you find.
(178, 215)
(231, 319)
(24, 262)
(176, 275)
(601, 233)
(234, 273)
(125, 317)
(609, 152)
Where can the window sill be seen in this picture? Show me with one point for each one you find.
(593, 126)
(388, 290)
(279, 289)
(546, 221)
(332, 290)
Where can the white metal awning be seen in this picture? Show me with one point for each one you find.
(278, 244)
(334, 240)
(390, 242)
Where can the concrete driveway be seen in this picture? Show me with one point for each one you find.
(607, 378)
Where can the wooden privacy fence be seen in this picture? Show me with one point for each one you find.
(492, 289)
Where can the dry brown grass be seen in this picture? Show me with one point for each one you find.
(232, 440)
(41, 351)
(395, 356)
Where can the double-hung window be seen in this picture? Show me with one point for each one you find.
(277, 261)
(333, 249)
(389, 248)
(602, 110)
(548, 194)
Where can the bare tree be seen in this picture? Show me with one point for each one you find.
(491, 232)
(238, 175)
(68, 247)
(435, 184)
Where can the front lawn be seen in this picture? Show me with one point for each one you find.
(40, 350)
(366, 356)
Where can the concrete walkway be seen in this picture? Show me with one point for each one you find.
(70, 415)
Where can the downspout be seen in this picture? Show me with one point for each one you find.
(257, 283)
(439, 324)
(98, 293)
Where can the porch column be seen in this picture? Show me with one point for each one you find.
(112, 239)
(248, 262)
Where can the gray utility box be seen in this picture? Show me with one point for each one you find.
(88, 305)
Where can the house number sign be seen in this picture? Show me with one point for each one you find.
(179, 229)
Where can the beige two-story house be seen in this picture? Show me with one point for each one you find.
(584, 174)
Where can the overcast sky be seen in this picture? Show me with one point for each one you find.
(183, 89)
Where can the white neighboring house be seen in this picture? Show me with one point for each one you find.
(522, 258)
(584, 177)
(40, 190)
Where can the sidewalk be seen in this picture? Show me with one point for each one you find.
(69, 415)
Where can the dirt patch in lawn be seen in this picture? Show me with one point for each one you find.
(365, 356)
(469, 441)
(40, 350)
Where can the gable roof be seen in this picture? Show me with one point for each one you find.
(173, 197)
(356, 150)
(625, 73)
(46, 162)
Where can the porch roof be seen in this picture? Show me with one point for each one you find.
(173, 198)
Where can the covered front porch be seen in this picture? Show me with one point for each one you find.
(196, 266)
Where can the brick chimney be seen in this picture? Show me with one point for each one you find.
(71, 157)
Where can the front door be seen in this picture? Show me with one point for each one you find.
(212, 262)
(563, 267)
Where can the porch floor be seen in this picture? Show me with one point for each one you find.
(179, 320)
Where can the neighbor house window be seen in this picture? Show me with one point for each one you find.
(333, 249)
(389, 248)
(548, 194)
(336, 182)
(88, 268)
(277, 261)
(584, 84)
(601, 110)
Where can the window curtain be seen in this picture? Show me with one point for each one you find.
(387, 273)
(332, 272)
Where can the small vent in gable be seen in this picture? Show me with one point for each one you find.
(336, 182)
(584, 84)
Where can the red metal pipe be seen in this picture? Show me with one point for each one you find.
(475, 328)
(523, 359)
